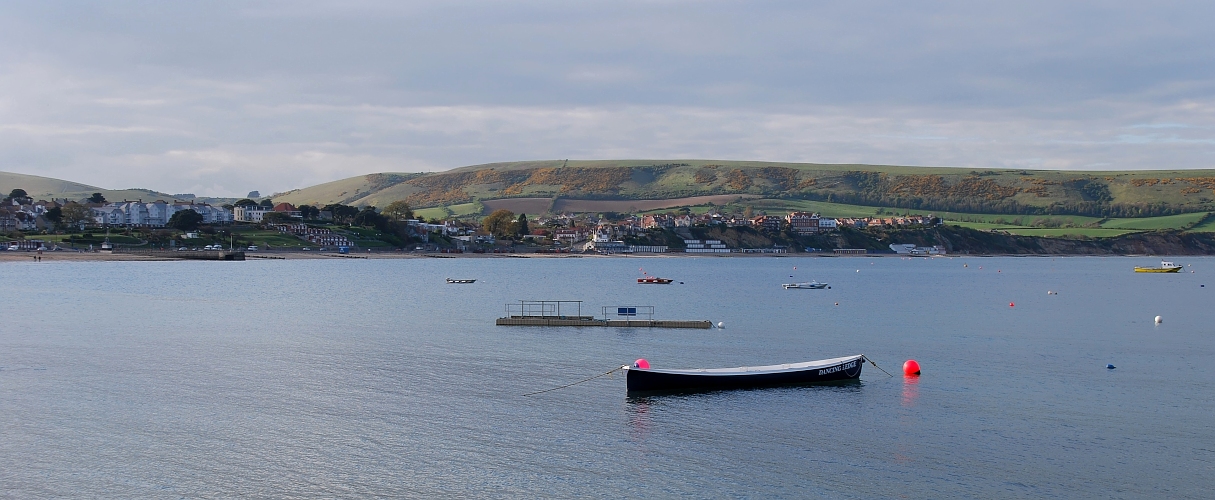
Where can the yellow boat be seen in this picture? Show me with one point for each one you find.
(1165, 267)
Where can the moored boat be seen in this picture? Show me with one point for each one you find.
(1165, 267)
(653, 280)
(808, 285)
(645, 379)
(449, 280)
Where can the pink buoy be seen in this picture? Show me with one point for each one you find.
(911, 368)
(642, 364)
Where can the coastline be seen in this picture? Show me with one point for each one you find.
(61, 256)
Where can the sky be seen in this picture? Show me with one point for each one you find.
(221, 98)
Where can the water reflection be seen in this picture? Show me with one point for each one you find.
(911, 391)
(638, 409)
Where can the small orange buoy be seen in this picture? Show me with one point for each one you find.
(911, 368)
(1010, 304)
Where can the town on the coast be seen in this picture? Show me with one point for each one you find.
(95, 224)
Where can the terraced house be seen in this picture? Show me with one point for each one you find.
(155, 214)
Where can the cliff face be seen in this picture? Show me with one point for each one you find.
(962, 240)
(959, 240)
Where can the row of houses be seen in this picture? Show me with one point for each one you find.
(25, 215)
(316, 235)
(17, 220)
(156, 213)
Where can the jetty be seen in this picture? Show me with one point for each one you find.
(569, 313)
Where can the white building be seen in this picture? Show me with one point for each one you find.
(155, 214)
(705, 246)
(250, 213)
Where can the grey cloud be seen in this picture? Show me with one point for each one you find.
(224, 97)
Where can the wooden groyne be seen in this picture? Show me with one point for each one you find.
(589, 321)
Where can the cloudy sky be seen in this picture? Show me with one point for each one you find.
(220, 98)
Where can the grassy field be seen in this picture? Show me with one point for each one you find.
(1181, 221)
(460, 210)
(1205, 227)
(827, 209)
(1069, 232)
(1061, 232)
(268, 237)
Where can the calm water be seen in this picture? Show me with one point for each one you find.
(354, 378)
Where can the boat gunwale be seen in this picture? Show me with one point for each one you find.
(755, 370)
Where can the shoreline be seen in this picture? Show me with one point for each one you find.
(50, 256)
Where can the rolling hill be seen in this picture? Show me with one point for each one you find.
(641, 185)
(993, 191)
(38, 186)
(46, 188)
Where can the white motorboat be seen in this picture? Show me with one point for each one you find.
(809, 285)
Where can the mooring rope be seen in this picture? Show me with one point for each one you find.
(875, 365)
(604, 374)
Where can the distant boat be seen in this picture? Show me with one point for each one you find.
(809, 372)
(652, 280)
(1165, 267)
(809, 285)
(449, 280)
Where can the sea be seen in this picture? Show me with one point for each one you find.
(356, 378)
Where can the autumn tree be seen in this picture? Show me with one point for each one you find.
(398, 210)
(499, 223)
(75, 214)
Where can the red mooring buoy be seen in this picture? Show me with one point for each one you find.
(1010, 304)
(911, 368)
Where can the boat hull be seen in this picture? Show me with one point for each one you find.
(805, 286)
(654, 281)
(1157, 270)
(642, 381)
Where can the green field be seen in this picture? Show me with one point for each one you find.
(461, 210)
(1068, 232)
(1181, 221)
(1205, 227)
(268, 238)
(826, 208)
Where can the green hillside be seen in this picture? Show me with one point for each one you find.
(937, 189)
(46, 188)
(41, 187)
